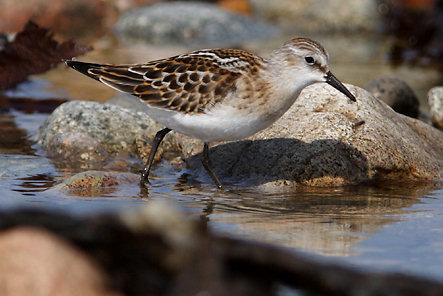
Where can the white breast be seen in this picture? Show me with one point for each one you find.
(221, 124)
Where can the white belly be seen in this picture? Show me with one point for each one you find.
(220, 124)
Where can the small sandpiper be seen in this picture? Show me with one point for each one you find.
(218, 94)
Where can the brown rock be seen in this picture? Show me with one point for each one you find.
(36, 262)
(69, 17)
(97, 183)
(33, 51)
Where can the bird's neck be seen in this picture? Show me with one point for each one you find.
(285, 85)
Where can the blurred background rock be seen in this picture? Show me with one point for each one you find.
(415, 25)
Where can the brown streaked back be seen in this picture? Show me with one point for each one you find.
(189, 83)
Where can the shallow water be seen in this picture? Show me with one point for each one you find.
(396, 228)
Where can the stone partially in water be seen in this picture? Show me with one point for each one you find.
(435, 99)
(396, 93)
(327, 140)
(97, 183)
(115, 128)
(190, 23)
(99, 179)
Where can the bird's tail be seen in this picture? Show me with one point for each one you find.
(117, 77)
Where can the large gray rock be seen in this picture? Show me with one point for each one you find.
(114, 127)
(190, 23)
(321, 15)
(435, 99)
(321, 141)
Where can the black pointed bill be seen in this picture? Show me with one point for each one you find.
(333, 81)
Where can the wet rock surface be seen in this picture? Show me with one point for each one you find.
(435, 100)
(158, 251)
(109, 126)
(90, 179)
(326, 140)
(96, 183)
(190, 23)
(396, 93)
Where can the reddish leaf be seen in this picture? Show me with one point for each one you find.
(33, 51)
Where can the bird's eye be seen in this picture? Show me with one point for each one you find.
(309, 60)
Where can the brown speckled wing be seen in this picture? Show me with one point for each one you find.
(189, 83)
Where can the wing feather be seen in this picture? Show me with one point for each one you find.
(189, 83)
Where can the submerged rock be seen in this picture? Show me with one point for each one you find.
(326, 140)
(97, 183)
(190, 23)
(435, 99)
(99, 179)
(396, 93)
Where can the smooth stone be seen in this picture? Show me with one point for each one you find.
(396, 93)
(190, 23)
(115, 128)
(321, 16)
(435, 100)
(321, 141)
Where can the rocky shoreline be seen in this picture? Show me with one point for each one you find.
(323, 140)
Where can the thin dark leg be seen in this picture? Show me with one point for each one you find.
(157, 140)
(205, 162)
